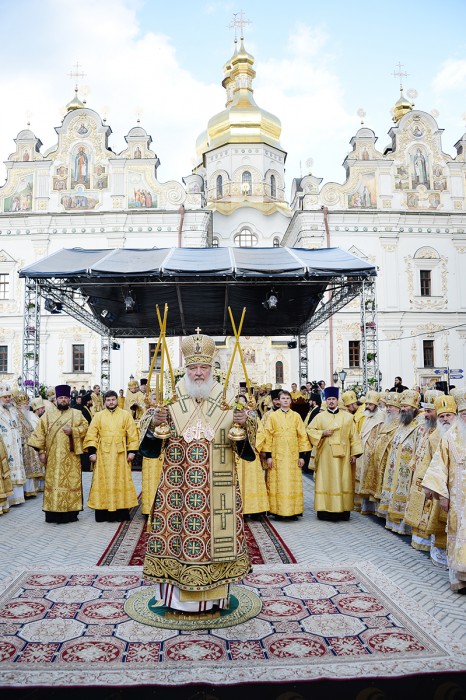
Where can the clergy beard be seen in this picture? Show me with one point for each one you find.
(431, 422)
(443, 428)
(62, 407)
(407, 416)
(199, 390)
(391, 418)
(369, 413)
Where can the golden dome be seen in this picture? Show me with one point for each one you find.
(75, 103)
(242, 121)
(402, 107)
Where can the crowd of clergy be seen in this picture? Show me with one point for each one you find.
(398, 455)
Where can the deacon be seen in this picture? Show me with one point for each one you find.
(445, 479)
(334, 434)
(135, 400)
(97, 400)
(197, 546)
(112, 441)
(285, 446)
(58, 437)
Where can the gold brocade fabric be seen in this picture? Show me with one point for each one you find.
(369, 432)
(97, 403)
(113, 434)
(285, 439)
(446, 476)
(334, 479)
(371, 484)
(251, 477)
(197, 538)
(151, 471)
(136, 399)
(6, 488)
(399, 471)
(32, 464)
(63, 484)
(424, 514)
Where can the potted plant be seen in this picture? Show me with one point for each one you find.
(370, 357)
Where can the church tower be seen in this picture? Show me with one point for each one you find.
(242, 163)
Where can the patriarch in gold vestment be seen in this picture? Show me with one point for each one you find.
(197, 546)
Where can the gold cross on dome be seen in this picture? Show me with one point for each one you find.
(400, 74)
(241, 23)
(198, 330)
(77, 73)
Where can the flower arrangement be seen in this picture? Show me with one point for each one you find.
(29, 382)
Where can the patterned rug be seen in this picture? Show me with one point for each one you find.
(69, 628)
(128, 546)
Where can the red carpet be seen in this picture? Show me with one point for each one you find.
(128, 546)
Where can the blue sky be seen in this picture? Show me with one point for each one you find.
(317, 63)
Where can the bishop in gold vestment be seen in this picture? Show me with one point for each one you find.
(446, 478)
(5, 479)
(197, 546)
(58, 437)
(112, 441)
(334, 434)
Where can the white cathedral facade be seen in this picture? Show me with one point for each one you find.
(402, 208)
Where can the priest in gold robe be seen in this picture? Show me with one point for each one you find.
(334, 434)
(112, 441)
(446, 480)
(58, 437)
(97, 400)
(197, 546)
(285, 446)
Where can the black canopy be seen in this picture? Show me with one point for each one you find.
(199, 284)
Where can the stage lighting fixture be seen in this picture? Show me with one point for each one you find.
(52, 306)
(292, 344)
(115, 346)
(130, 302)
(271, 301)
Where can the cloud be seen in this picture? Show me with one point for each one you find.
(303, 89)
(133, 71)
(452, 76)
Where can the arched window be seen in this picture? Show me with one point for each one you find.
(279, 372)
(215, 242)
(276, 242)
(246, 182)
(273, 186)
(245, 239)
(219, 186)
